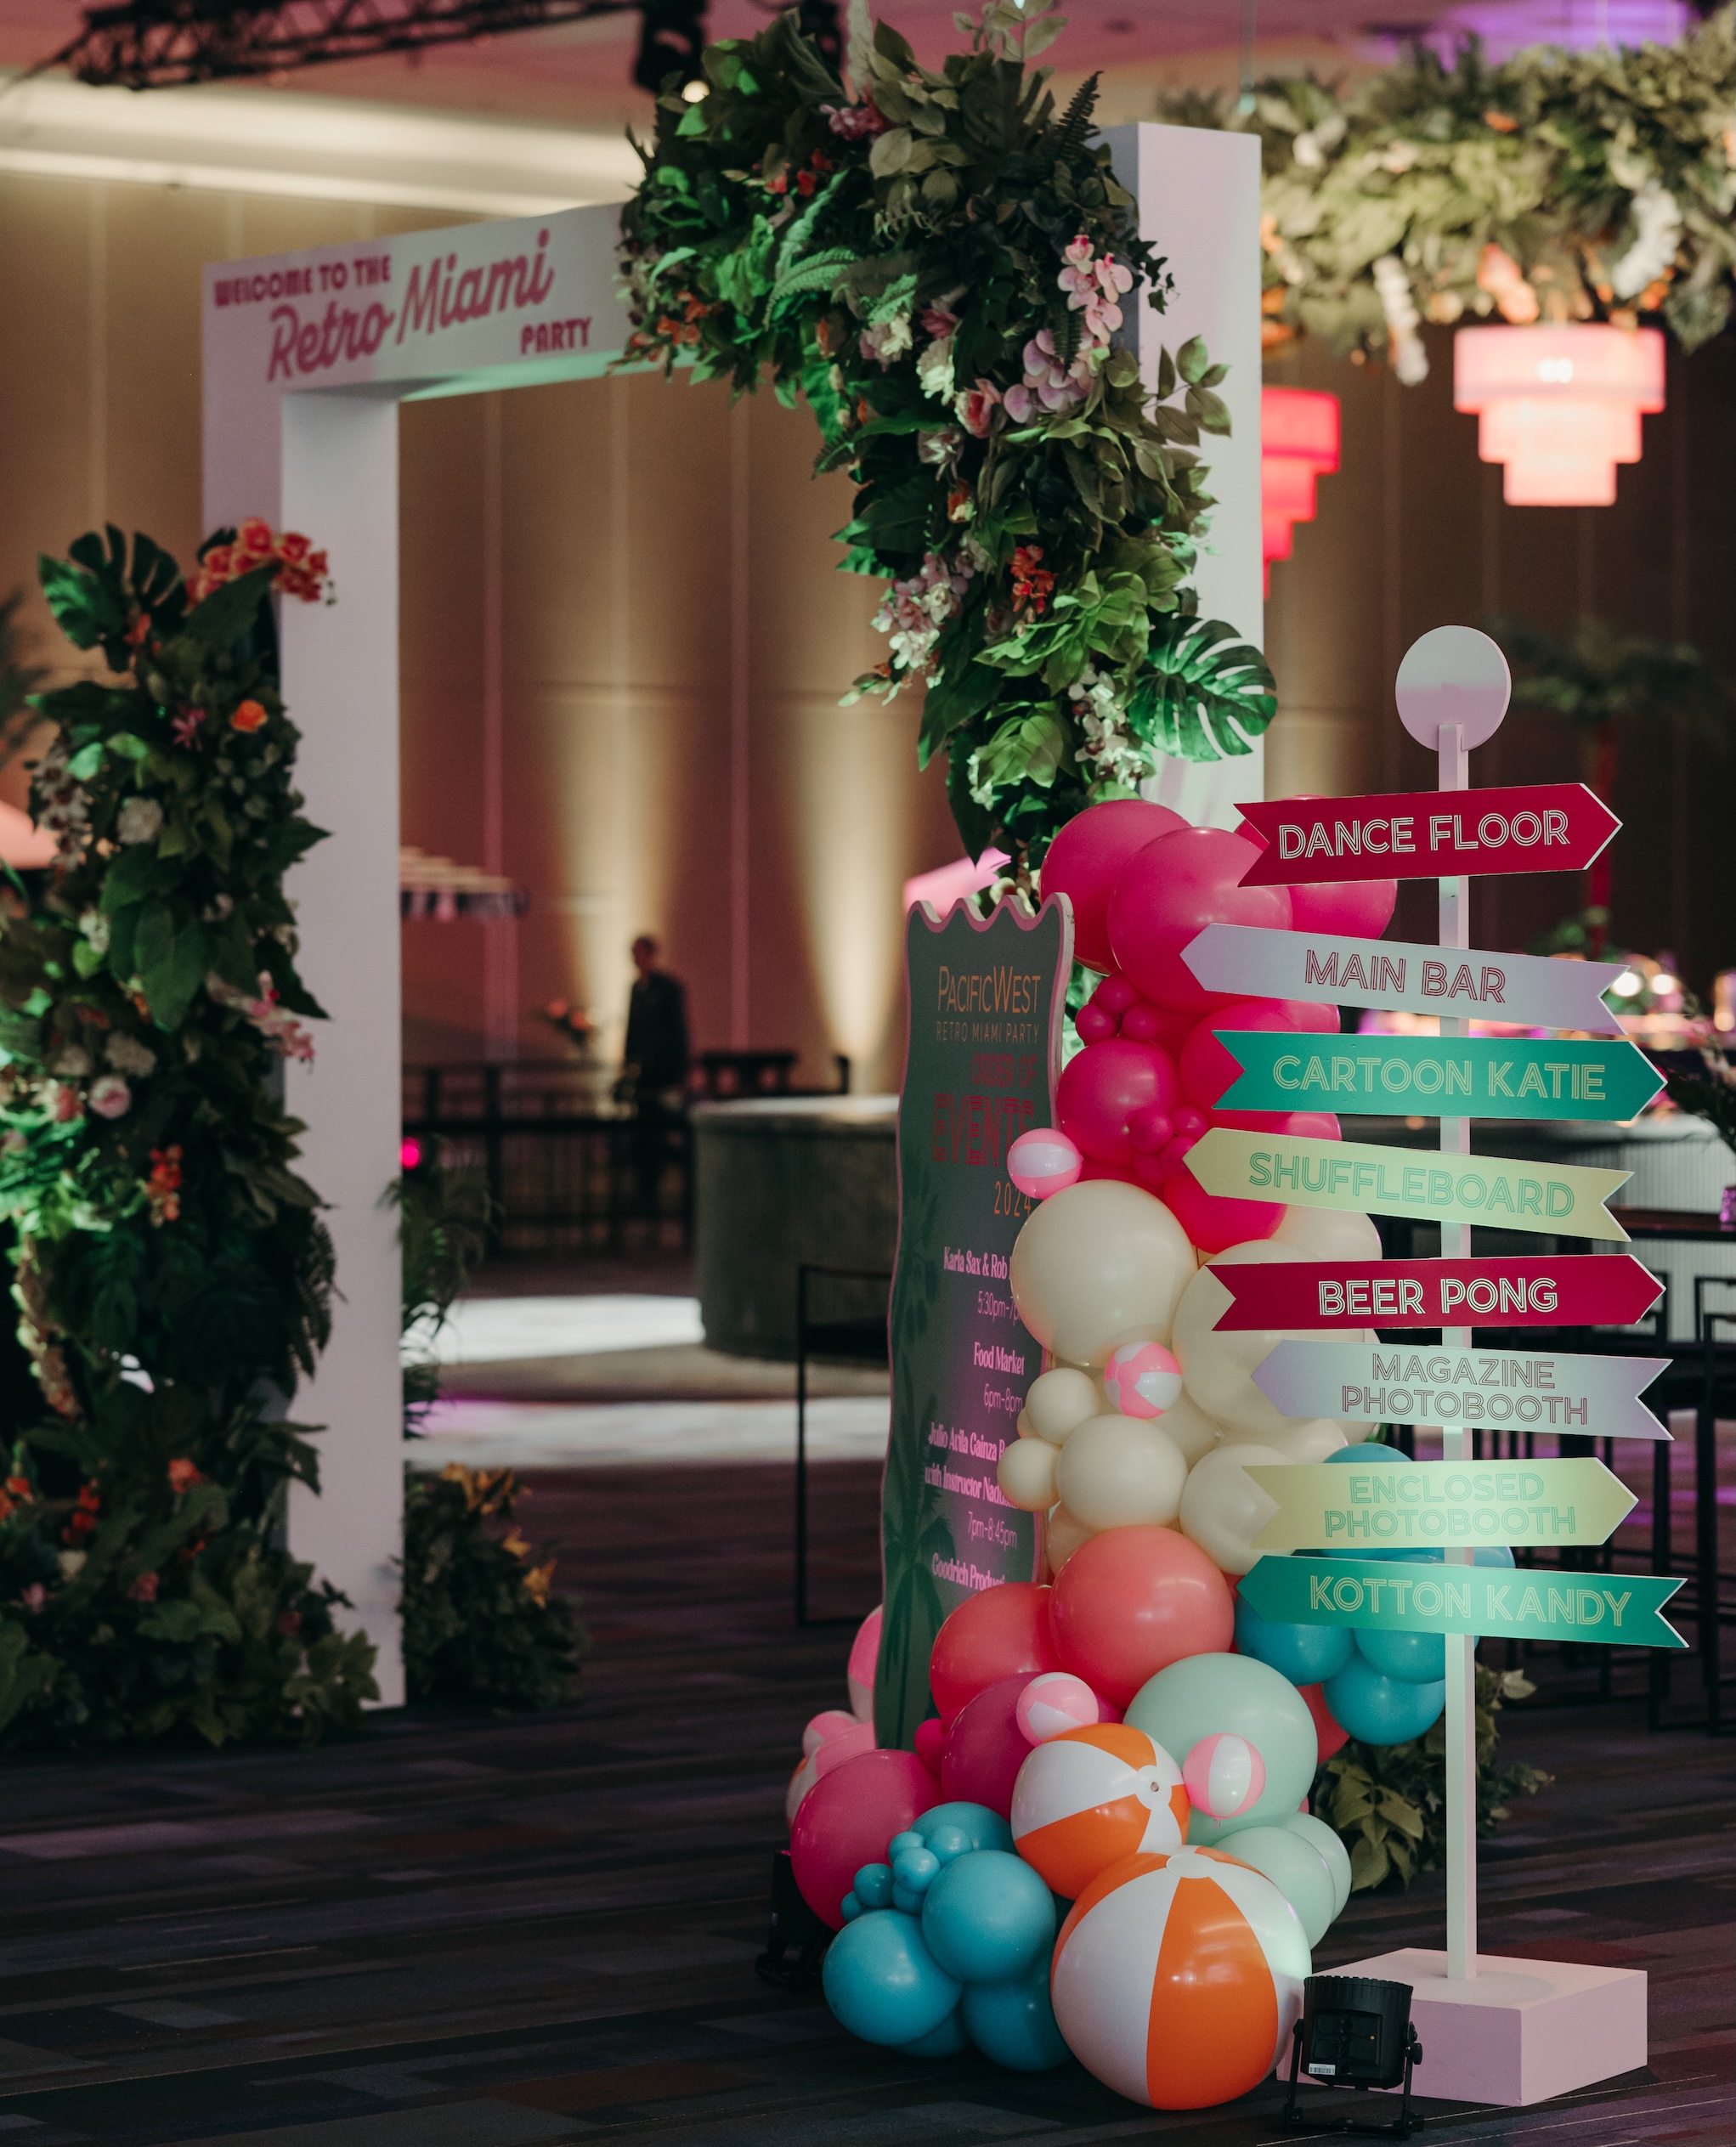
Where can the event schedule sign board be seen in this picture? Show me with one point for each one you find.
(985, 1003)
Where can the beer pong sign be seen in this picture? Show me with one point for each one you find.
(1578, 1290)
(1424, 834)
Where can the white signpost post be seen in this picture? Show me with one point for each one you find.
(307, 356)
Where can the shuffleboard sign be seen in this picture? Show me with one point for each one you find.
(985, 1004)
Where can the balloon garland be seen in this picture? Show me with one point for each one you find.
(939, 266)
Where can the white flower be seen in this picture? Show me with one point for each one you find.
(886, 341)
(110, 1097)
(128, 1056)
(140, 820)
(934, 369)
(1658, 227)
(72, 1063)
(72, 1563)
(94, 926)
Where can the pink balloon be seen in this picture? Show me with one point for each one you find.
(847, 1744)
(1356, 908)
(1300, 1125)
(864, 1659)
(1168, 894)
(1042, 1161)
(1085, 858)
(1213, 1220)
(985, 1748)
(1094, 1024)
(846, 1820)
(1162, 1025)
(1103, 1085)
(1123, 1174)
(1225, 1775)
(930, 1740)
(1115, 995)
(1053, 1703)
(1207, 1067)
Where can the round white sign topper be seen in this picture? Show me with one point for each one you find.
(1453, 676)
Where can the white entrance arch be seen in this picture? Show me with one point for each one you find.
(307, 357)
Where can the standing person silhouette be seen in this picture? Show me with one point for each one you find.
(655, 1072)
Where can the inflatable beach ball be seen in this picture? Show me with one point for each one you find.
(1088, 1798)
(1178, 1978)
(1142, 1379)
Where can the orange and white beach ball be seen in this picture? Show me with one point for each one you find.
(1088, 1798)
(1177, 1978)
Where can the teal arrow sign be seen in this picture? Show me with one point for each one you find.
(1619, 1610)
(1438, 1077)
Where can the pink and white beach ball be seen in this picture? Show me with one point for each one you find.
(1142, 1379)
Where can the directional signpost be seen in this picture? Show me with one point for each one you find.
(1589, 1396)
(1615, 1611)
(1428, 1076)
(1577, 1289)
(1523, 989)
(1538, 827)
(1390, 1503)
(1552, 1198)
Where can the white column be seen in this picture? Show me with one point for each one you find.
(340, 681)
(1199, 196)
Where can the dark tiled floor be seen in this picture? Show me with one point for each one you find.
(483, 1932)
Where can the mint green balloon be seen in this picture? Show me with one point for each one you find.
(1295, 1867)
(1206, 1695)
(1331, 1845)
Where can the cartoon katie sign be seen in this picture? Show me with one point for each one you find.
(985, 1002)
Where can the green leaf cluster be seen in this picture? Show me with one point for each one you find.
(1388, 1801)
(890, 261)
(1562, 159)
(171, 1271)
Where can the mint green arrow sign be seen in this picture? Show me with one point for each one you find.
(1438, 1077)
(1615, 1610)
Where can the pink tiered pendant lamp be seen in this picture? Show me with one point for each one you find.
(1298, 444)
(1558, 407)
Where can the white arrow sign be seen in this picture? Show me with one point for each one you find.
(1524, 989)
(1510, 1389)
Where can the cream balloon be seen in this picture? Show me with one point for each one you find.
(1323, 1233)
(1065, 1533)
(1026, 1474)
(1118, 1472)
(1308, 1438)
(1058, 1403)
(1217, 1365)
(1099, 1263)
(1192, 1430)
(1223, 1509)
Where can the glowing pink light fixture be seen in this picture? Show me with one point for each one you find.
(1298, 444)
(1559, 407)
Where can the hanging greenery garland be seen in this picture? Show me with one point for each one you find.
(172, 1271)
(940, 266)
(1559, 186)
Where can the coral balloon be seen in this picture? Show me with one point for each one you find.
(1168, 893)
(1042, 1161)
(997, 1633)
(1053, 1703)
(985, 1748)
(1207, 1067)
(1225, 1775)
(1142, 1379)
(1134, 1600)
(1088, 1798)
(1102, 1087)
(846, 1820)
(1086, 859)
(1099, 1265)
(1330, 1734)
(864, 1657)
(1214, 1221)
(1177, 1978)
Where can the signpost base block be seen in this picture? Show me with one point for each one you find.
(1522, 2032)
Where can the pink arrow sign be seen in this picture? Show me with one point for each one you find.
(1427, 834)
(1577, 1289)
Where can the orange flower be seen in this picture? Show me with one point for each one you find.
(18, 1487)
(183, 1476)
(249, 716)
(254, 537)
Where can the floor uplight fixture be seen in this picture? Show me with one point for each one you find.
(1558, 407)
(1298, 444)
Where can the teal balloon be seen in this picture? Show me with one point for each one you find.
(914, 1869)
(1014, 2022)
(946, 1842)
(874, 1886)
(988, 1918)
(1414, 1658)
(1381, 1711)
(882, 1984)
(983, 1828)
(1306, 1654)
(1202, 1695)
(851, 1907)
(946, 2040)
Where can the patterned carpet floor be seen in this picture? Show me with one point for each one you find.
(464, 1930)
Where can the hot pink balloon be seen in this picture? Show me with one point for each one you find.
(1299, 1125)
(1115, 995)
(1042, 1161)
(1103, 1085)
(985, 1748)
(1164, 1026)
(1094, 1024)
(846, 1820)
(1166, 895)
(1123, 1174)
(1207, 1067)
(1357, 908)
(1211, 1220)
(1086, 857)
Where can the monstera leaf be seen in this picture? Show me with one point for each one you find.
(1202, 695)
